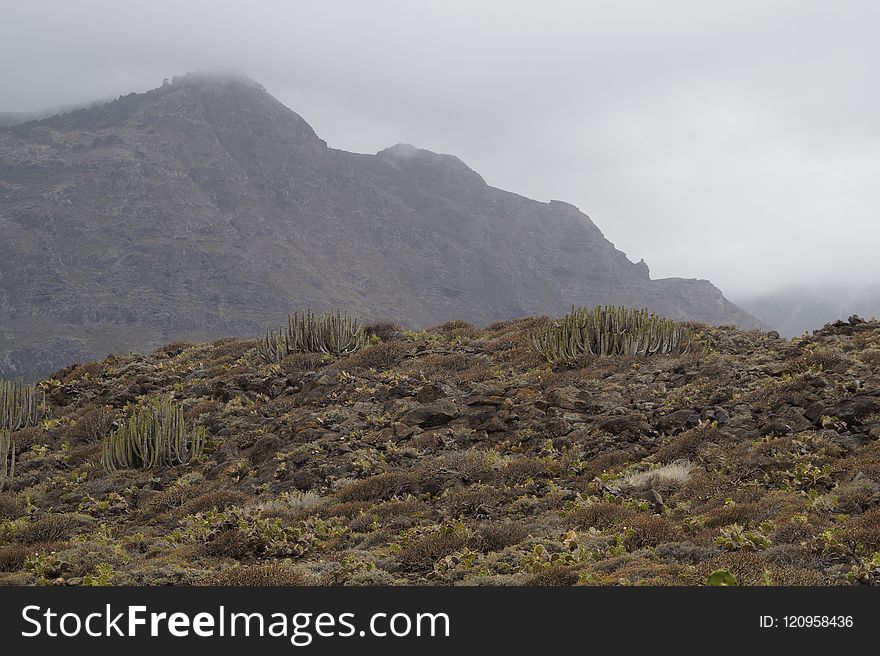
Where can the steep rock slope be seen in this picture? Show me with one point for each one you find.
(205, 208)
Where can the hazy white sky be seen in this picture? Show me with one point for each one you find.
(735, 141)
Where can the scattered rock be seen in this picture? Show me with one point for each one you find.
(433, 414)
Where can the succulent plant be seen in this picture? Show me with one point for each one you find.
(721, 577)
(154, 436)
(610, 330)
(7, 458)
(21, 406)
(334, 333)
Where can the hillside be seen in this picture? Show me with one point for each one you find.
(457, 456)
(206, 208)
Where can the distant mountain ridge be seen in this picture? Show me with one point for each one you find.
(799, 309)
(205, 207)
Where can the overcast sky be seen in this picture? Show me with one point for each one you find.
(737, 141)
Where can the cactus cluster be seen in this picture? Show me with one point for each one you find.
(21, 406)
(609, 331)
(7, 458)
(154, 436)
(334, 333)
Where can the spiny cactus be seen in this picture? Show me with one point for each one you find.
(609, 331)
(21, 406)
(334, 333)
(154, 436)
(7, 458)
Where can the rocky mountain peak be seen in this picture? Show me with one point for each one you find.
(431, 167)
(205, 208)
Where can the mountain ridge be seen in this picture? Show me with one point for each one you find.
(205, 208)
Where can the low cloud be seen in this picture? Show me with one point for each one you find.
(734, 142)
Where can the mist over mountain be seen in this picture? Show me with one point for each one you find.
(794, 310)
(8, 119)
(205, 207)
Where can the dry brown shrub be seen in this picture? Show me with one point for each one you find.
(469, 501)
(473, 465)
(751, 569)
(362, 523)
(410, 506)
(794, 532)
(508, 342)
(456, 330)
(380, 486)
(607, 461)
(92, 426)
(83, 454)
(871, 357)
(12, 557)
(745, 514)
(686, 444)
(798, 576)
(649, 531)
(553, 576)
(422, 552)
(232, 348)
(480, 372)
(639, 569)
(53, 528)
(600, 515)
(268, 574)
(822, 358)
(169, 499)
(439, 366)
(495, 536)
(174, 348)
(298, 363)
(865, 463)
(203, 407)
(231, 543)
(215, 499)
(381, 356)
(519, 470)
(702, 486)
(865, 529)
(25, 438)
(857, 495)
(92, 370)
(10, 506)
(383, 330)
(347, 509)
(748, 567)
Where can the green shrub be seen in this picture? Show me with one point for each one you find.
(609, 331)
(154, 436)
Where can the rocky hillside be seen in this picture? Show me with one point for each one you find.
(206, 208)
(457, 456)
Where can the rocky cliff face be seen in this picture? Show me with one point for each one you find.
(205, 208)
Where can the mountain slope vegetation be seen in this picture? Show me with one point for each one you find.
(457, 455)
